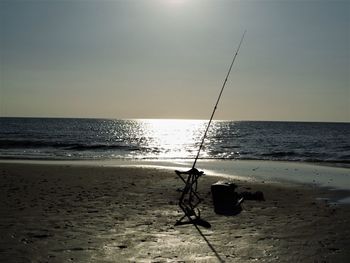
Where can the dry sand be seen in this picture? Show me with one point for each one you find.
(71, 213)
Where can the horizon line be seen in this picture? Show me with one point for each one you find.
(165, 119)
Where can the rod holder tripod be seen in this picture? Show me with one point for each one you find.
(190, 198)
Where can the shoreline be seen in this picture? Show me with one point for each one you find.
(304, 173)
(88, 213)
(334, 164)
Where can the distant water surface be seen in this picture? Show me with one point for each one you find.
(84, 139)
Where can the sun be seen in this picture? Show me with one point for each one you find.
(176, 2)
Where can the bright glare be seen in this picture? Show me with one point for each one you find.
(176, 2)
(175, 137)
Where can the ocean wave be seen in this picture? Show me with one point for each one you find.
(279, 154)
(23, 144)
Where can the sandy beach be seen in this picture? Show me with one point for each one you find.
(77, 213)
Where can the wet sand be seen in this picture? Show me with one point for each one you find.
(77, 213)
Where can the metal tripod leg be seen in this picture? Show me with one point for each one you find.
(190, 199)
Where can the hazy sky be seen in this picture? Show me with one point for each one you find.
(168, 59)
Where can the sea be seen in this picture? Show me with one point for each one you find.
(168, 139)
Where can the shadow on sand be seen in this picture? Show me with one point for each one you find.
(233, 212)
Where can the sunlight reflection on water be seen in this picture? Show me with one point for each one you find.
(171, 138)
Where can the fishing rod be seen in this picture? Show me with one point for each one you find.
(190, 199)
(217, 102)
